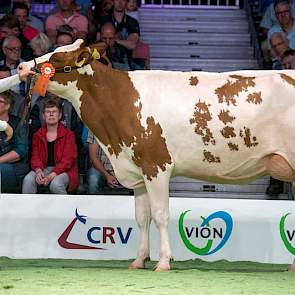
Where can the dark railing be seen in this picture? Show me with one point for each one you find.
(248, 6)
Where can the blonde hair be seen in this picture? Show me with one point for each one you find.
(41, 41)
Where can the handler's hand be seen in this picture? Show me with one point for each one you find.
(112, 181)
(24, 72)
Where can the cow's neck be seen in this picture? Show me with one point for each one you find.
(110, 106)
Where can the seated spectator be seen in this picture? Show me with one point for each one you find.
(65, 36)
(18, 100)
(279, 44)
(12, 58)
(117, 53)
(40, 45)
(286, 22)
(132, 9)
(96, 11)
(33, 20)
(66, 16)
(101, 172)
(269, 18)
(287, 59)
(13, 152)
(127, 27)
(21, 12)
(10, 26)
(54, 155)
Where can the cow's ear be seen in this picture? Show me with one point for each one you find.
(83, 58)
(97, 48)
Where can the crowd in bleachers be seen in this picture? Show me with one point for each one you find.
(277, 38)
(55, 148)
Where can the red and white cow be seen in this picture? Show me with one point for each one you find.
(222, 127)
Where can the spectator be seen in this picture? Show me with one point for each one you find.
(285, 22)
(54, 154)
(96, 11)
(33, 20)
(18, 100)
(126, 26)
(63, 38)
(40, 45)
(12, 58)
(279, 44)
(10, 26)
(117, 53)
(269, 17)
(13, 152)
(66, 15)
(132, 9)
(21, 12)
(288, 59)
(101, 172)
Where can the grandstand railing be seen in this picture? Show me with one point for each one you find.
(191, 3)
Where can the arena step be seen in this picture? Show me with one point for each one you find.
(194, 26)
(171, 38)
(202, 64)
(199, 51)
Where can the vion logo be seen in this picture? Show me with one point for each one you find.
(209, 233)
(287, 234)
(96, 235)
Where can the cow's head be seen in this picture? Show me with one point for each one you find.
(66, 62)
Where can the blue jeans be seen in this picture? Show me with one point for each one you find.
(8, 178)
(95, 180)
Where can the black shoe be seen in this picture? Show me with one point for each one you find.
(273, 190)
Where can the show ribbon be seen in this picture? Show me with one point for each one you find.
(41, 84)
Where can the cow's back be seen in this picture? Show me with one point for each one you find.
(220, 126)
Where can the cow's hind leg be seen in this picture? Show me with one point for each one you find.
(158, 192)
(280, 169)
(143, 218)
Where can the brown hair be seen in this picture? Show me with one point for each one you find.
(52, 101)
(9, 21)
(9, 97)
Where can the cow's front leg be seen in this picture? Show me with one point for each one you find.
(158, 192)
(143, 218)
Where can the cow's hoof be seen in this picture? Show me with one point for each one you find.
(136, 264)
(162, 267)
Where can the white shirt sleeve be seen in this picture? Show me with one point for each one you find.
(9, 82)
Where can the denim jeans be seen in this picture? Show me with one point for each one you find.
(8, 178)
(95, 180)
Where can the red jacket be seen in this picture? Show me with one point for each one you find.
(65, 153)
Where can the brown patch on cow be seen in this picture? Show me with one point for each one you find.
(248, 139)
(230, 90)
(288, 79)
(233, 146)
(111, 108)
(225, 117)
(209, 157)
(201, 117)
(228, 132)
(151, 145)
(254, 97)
(194, 81)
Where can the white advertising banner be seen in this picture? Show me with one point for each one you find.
(104, 227)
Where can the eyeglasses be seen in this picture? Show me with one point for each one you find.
(282, 12)
(47, 112)
(14, 49)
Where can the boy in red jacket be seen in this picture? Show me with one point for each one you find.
(54, 154)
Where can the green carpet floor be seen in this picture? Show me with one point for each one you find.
(49, 276)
